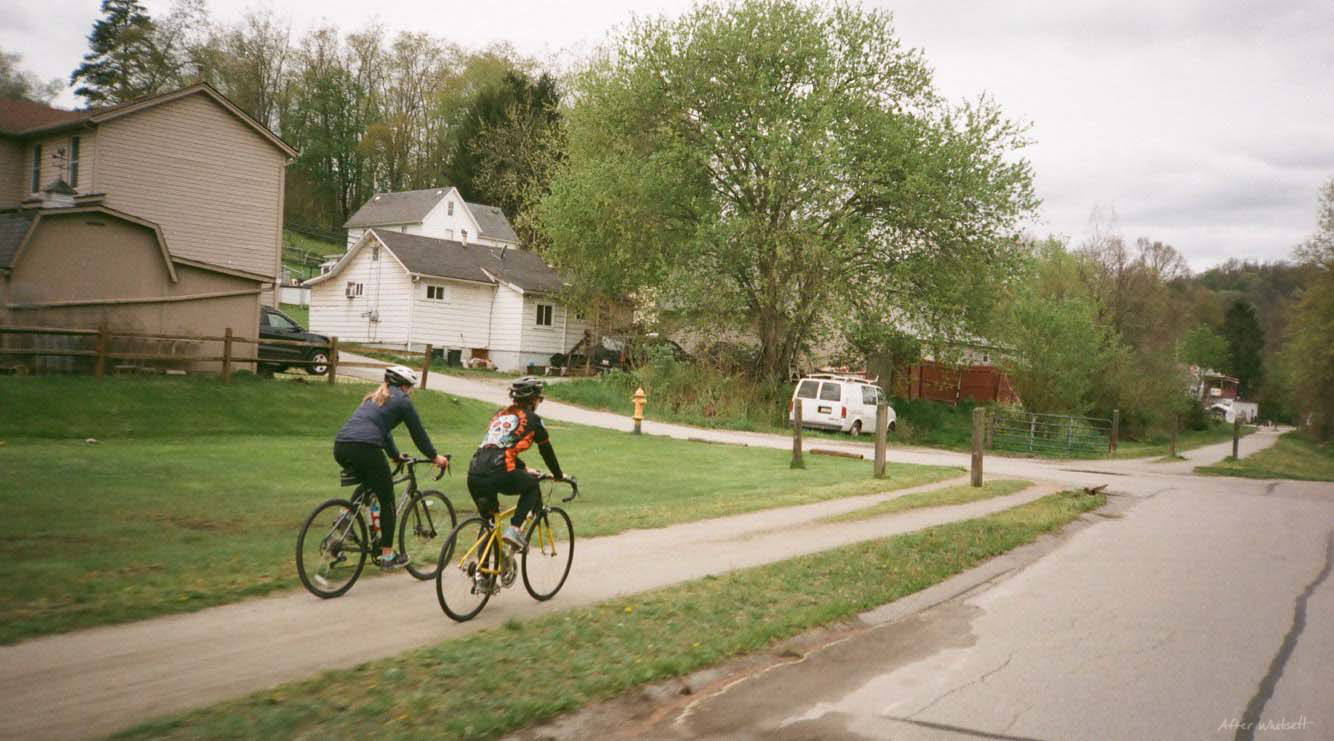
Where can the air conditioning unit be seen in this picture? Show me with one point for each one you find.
(351, 290)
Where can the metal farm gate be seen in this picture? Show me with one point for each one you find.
(1049, 434)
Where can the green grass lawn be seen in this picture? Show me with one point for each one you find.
(576, 657)
(936, 498)
(303, 254)
(1291, 457)
(299, 313)
(194, 492)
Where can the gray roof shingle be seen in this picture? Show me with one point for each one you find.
(491, 220)
(13, 225)
(446, 258)
(408, 207)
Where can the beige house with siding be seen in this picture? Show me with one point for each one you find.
(163, 214)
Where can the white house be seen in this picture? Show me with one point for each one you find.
(400, 288)
(435, 212)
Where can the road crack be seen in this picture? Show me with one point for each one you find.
(1255, 708)
(964, 686)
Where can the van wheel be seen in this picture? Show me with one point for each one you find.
(856, 428)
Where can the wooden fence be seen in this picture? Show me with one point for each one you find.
(177, 351)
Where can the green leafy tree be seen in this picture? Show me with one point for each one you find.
(761, 161)
(490, 125)
(1057, 351)
(19, 84)
(1204, 347)
(1245, 344)
(1308, 355)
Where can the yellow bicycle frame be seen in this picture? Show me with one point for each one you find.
(541, 538)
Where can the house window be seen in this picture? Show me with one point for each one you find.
(544, 315)
(435, 293)
(449, 208)
(36, 168)
(73, 162)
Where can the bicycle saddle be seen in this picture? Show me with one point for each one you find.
(347, 478)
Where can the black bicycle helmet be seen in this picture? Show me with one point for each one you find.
(526, 388)
(400, 375)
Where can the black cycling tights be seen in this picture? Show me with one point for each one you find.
(371, 467)
(485, 487)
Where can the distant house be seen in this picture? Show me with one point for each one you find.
(482, 301)
(163, 214)
(434, 212)
(1210, 385)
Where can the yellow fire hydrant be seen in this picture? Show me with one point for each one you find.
(639, 408)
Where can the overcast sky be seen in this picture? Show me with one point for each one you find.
(1206, 125)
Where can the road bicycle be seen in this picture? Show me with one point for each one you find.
(475, 563)
(334, 543)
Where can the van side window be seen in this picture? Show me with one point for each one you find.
(807, 389)
(869, 395)
(830, 392)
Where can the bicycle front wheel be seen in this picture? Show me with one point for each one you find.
(546, 563)
(331, 549)
(422, 530)
(468, 570)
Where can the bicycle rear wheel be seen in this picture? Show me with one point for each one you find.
(331, 549)
(468, 570)
(425, 524)
(546, 563)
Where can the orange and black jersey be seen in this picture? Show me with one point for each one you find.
(512, 431)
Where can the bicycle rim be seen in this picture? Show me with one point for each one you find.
(331, 549)
(466, 572)
(422, 530)
(546, 563)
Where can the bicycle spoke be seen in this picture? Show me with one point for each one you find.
(467, 565)
(330, 552)
(426, 522)
(546, 564)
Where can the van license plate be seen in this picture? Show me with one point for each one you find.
(825, 410)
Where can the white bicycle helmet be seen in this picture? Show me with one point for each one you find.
(400, 375)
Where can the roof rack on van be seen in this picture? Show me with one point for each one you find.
(843, 377)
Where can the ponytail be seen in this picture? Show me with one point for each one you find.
(379, 395)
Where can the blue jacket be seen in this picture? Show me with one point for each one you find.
(372, 424)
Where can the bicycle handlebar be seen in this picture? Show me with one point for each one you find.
(572, 481)
(414, 461)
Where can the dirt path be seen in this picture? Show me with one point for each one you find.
(98, 681)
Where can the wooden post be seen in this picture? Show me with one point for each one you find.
(1236, 435)
(1176, 423)
(1116, 431)
(796, 435)
(426, 365)
(979, 423)
(991, 430)
(881, 436)
(227, 356)
(333, 359)
(100, 366)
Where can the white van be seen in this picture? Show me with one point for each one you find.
(843, 403)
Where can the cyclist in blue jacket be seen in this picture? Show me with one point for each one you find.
(361, 444)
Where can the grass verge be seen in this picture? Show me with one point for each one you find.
(580, 656)
(1291, 457)
(936, 498)
(1160, 444)
(194, 492)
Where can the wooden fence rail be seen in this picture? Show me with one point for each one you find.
(103, 352)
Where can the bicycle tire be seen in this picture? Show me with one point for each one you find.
(546, 561)
(429, 522)
(461, 593)
(330, 575)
